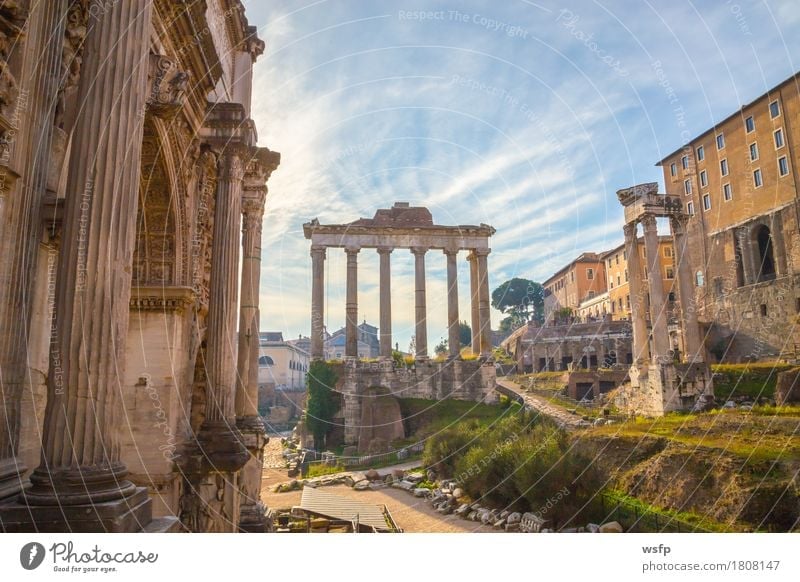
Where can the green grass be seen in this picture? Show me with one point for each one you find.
(321, 469)
(753, 380)
(427, 417)
(541, 382)
(688, 520)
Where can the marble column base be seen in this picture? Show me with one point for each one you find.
(220, 447)
(253, 518)
(11, 480)
(127, 515)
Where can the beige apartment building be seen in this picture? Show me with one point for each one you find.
(579, 280)
(738, 184)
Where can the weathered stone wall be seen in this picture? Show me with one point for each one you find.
(660, 388)
(458, 379)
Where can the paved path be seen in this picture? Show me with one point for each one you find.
(564, 418)
(410, 513)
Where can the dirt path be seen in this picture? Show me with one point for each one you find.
(409, 512)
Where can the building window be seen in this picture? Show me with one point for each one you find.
(723, 166)
(626, 275)
(706, 202)
(783, 166)
(727, 193)
(265, 361)
(690, 208)
(778, 139)
(673, 169)
(611, 283)
(763, 310)
(685, 162)
(618, 281)
(753, 152)
(757, 181)
(613, 307)
(720, 141)
(703, 179)
(616, 258)
(698, 279)
(625, 254)
(627, 301)
(749, 124)
(774, 109)
(667, 252)
(701, 154)
(590, 274)
(572, 277)
(687, 187)
(670, 273)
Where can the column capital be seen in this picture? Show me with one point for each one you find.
(417, 251)
(351, 250)
(451, 252)
(385, 250)
(649, 222)
(678, 223)
(630, 230)
(482, 252)
(318, 250)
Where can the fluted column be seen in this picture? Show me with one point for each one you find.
(385, 302)
(658, 312)
(317, 300)
(484, 305)
(474, 302)
(247, 376)
(23, 240)
(420, 310)
(351, 307)
(219, 439)
(453, 335)
(638, 320)
(81, 454)
(692, 344)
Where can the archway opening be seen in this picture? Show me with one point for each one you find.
(766, 263)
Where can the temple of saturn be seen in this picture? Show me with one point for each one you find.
(409, 228)
(659, 383)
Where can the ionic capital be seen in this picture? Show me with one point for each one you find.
(451, 252)
(352, 251)
(385, 250)
(482, 252)
(318, 251)
(419, 251)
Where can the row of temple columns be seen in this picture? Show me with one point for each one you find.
(659, 347)
(480, 302)
(80, 455)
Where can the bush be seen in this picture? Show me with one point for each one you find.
(522, 462)
(322, 401)
(753, 380)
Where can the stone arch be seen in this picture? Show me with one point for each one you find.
(160, 253)
(765, 252)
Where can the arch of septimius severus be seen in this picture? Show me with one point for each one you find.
(131, 188)
(404, 227)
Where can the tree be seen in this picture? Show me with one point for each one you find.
(322, 403)
(521, 300)
(441, 348)
(464, 333)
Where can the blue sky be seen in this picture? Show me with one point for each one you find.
(524, 115)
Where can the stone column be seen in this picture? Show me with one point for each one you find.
(81, 484)
(453, 335)
(219, 439)
(419, 303)
(351, 315)
(484, 304)
(658, 313)
(474, 302)
(385, 303)
(23, 238)
(246, 380)
(317, 300)
(638, 320)
(692, 344)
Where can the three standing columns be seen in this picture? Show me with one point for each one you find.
(81, 480)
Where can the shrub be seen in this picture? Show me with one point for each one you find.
(322, 402)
